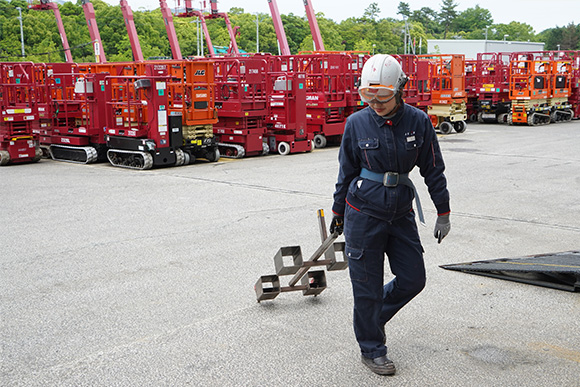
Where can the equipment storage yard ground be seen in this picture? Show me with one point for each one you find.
(114, 277)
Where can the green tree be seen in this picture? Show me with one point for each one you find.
(473, 19)
(403, 9)
(447, 15)
(570, 37)
(429, 19)
(514, 31)
(372, 12)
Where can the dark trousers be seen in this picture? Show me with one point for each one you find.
(368, 239)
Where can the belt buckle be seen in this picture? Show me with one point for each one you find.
(390, 179)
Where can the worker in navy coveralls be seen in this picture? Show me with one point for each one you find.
(373, 203)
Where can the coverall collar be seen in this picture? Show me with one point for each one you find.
(393, 121)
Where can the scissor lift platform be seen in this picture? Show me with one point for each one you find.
(556, 270)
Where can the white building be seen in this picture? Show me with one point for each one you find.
(470, 48)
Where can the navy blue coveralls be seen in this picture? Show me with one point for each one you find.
(380, 219)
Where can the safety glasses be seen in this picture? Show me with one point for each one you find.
(376, 93)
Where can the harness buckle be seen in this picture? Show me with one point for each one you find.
(390, 179)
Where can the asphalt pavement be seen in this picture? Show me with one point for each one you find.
(116, 277)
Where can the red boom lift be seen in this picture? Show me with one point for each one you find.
(47, 4)
(94, 31)
(314, 30)
(190, 12)
(279, 28)
(131, 30)
(170, 28)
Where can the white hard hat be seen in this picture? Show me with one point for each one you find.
(382, 77)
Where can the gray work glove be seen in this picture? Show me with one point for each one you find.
(442, 227)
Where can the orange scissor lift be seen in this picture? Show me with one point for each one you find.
(18, 114)
(436, 85)
(539, 89)
(448, 108)
(191, 95)
(529, 90)
(560, 90)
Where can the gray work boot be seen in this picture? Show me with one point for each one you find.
(380, 365)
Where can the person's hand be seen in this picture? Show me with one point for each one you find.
(442, 227)
(337, 224)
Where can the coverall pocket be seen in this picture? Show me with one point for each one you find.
(356, 264)
(413, 142)
(368, 143)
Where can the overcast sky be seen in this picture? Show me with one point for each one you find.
(540, 14)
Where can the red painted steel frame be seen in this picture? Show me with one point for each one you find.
(131, 30)
(18, 113)
(94, 31)
(46, 4)
(242, 90)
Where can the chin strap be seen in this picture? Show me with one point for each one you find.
(399, 99)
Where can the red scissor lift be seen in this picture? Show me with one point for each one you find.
(140, 132)
(241, 89)
(357, 61)
(190, 95)
(471, 89)
(574, 98)
(493, 87)
(326, 93)
(287, 130)
(72, 102)
(19, 114)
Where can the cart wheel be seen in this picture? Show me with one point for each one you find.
(502, 118)
(480, 117)
(37, 155)
(473, 117)
(510, 119)
(179, 157)
(445, 127)
(186, 158)
(4, 157)
(460, 126)
(265, 148)
(283, 148)
(319, 141)
(213, 155)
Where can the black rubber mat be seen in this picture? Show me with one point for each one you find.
(555, 270)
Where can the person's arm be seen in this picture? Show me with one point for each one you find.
(432, 167)
(349, 169)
